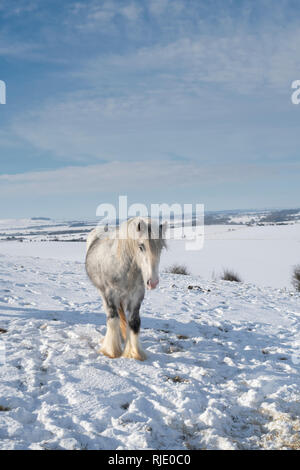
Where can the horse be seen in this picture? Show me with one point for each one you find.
(122, 264)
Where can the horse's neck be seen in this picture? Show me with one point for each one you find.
(125, 255)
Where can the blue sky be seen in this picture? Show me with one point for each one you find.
(163, 100)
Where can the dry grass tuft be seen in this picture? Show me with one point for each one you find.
(178, 269)
(229, 275)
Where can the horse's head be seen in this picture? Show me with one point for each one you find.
(149, 240)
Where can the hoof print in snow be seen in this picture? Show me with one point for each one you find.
(125, 406)
(177, 379)
(198, 288)
(173, 348)
(182, 337)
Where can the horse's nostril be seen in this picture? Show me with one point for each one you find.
(152, 284)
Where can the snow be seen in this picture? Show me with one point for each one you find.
(262, 255)
(222, 370)
(13, 224)
(74, 251)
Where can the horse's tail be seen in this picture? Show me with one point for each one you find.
(123, 321)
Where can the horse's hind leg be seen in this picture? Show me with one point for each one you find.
(112, 342)
(132, 346)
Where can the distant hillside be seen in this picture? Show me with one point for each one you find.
(264, 217)
(45, 229)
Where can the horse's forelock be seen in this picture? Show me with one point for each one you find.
(128, 246)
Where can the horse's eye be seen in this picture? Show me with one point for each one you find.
(142, 247)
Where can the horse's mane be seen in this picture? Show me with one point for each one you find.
(127, 245)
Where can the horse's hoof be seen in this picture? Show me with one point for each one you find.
(138, 355)
(142, 356)
(109, 354)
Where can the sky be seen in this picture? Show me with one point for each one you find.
(165, 101)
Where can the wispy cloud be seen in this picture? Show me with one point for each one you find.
(119, 177)
(112, 176)
(241, 61)
(93, 14)
(17, 8)
(18, 50)
(129, 100)
(136, 81)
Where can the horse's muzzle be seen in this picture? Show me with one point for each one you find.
(152, 284)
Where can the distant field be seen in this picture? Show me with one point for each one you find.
(262, 255)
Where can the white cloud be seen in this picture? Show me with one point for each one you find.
(9, 8)
(107, 177)
(11, 48)
(157, 6)
(128, 103)
(160, 98)
(240, 61)
(131, 11)
(91, 15)
(121, 177)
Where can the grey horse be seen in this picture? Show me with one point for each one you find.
(121, 264)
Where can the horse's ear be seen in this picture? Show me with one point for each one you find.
(141, 228)
(137, 229)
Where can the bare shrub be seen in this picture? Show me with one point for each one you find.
(4, 408)
(229, 275)
(296, 277)
(178, 269)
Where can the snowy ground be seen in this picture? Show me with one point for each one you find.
(261, 254)
(222, 370)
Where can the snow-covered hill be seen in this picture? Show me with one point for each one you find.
(222, 370)
(264, 255)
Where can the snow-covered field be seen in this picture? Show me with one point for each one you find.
(262, 255)
(222, 370)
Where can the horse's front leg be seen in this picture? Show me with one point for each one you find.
(112, 342)
(132, 345)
